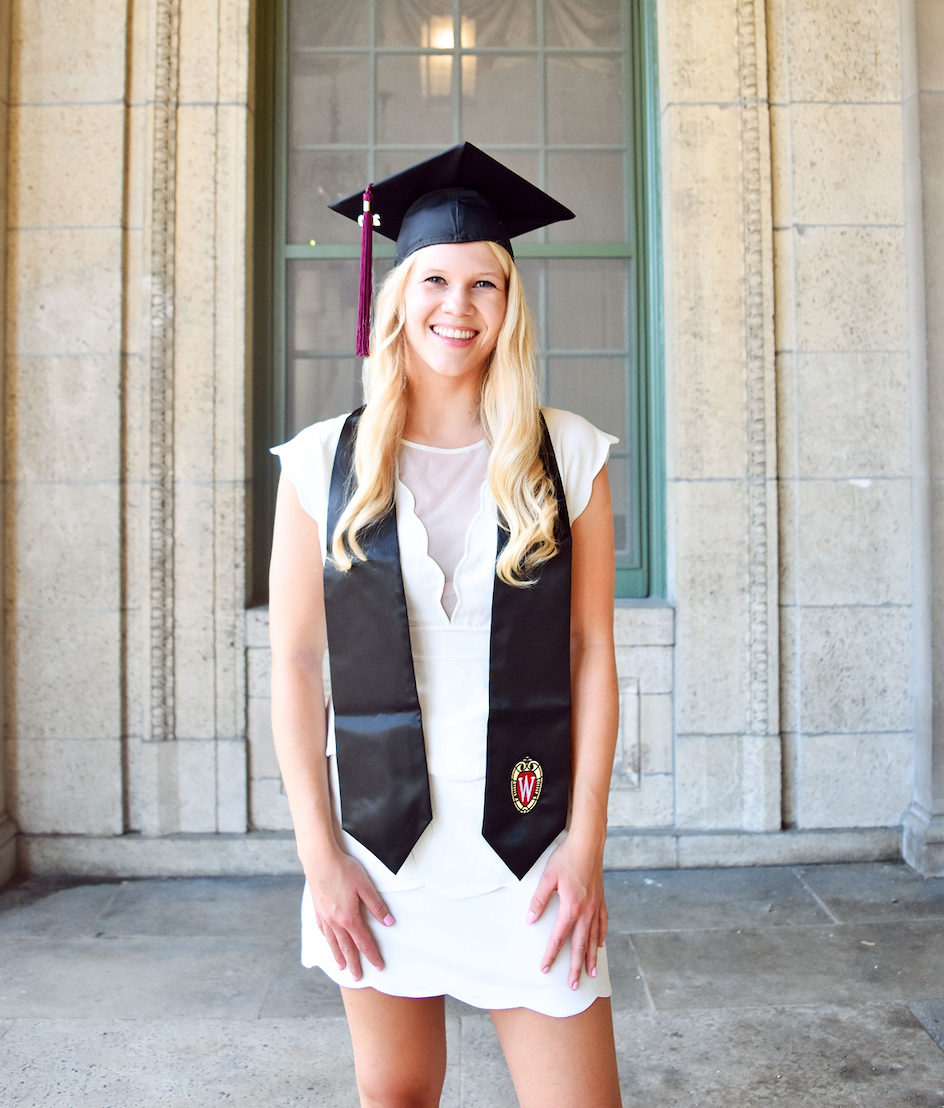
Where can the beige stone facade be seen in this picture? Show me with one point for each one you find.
(783, 703)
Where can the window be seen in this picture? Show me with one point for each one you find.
(559, 90)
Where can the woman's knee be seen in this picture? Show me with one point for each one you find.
(398, 1090)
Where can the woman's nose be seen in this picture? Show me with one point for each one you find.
(458, 302)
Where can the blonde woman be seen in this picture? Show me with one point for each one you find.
(451, 545)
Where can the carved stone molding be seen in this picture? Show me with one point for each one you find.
(752, 118)
(161, 469)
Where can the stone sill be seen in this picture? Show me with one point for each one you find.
(271, 853)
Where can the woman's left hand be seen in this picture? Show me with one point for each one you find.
(575, 870)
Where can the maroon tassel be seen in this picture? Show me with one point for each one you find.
(366, 288)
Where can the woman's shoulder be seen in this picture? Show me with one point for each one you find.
(307, 461)
(581, 451)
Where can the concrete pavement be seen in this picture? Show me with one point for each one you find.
(807, 987)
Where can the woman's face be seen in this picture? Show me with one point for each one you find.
(455, 306)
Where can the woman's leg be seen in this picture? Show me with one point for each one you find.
(399, 1048)
(561, 1063)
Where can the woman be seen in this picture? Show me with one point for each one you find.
(452, 839)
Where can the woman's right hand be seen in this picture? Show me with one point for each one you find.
(338, 886)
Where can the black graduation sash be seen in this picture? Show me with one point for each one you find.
(381, 751)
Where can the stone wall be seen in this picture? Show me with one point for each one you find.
(7, 825)
(775, 709)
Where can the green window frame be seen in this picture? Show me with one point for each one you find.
(642, 575)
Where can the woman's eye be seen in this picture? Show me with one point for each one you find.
(485, 284)
(435, 280)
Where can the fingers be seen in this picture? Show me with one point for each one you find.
(376, 906)
(604, 923)
(593, 945)
(578, 951)
(558, 937)
(542, 895)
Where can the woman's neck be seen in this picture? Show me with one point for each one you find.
(444, 415)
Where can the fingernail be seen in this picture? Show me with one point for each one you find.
(340, 967)
(546, 968)
(388, 920)
(593, 972)
(531, 917)
(574, 986)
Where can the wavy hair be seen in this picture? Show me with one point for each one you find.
(509, 410)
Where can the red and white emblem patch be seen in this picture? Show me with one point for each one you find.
(526, 780)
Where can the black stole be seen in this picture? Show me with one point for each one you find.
(385, 801)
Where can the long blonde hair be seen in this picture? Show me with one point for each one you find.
(509, 409)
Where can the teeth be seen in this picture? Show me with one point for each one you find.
(451, 333)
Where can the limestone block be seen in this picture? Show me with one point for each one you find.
(930, 27)
(706, 390)
(199, 53)
(655, 734)
(65, 291)
(232, 809)
(651, 805)
(197, 776)
(790, 687)
(234, 54)
(259, 665)
(781, 168)
(66, 680)
(854, 780)
(850, 288)
(788, 495)
(262, 759)
(853, 415)
(268, 806)
(847, 161)
(790, 783)
(855, 542)
(52, 144)
(69, 51)
(55, 400)
(843, 52)
(649, 625)
(855, 669)
(651, 665)
(698, 59)
(257, 627)
(626, 758)
(778, 76)
(67, 786)
(785, 322)
(761, 782)
(712, 621)
(66, 550)
(709, 781)
(194, 603)
(153, 786)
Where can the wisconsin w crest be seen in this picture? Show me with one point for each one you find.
(526, 780)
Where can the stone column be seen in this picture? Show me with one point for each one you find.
(722, 494)
(923, 24)
(7, 826)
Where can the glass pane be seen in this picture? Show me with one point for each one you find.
(582, 23)
(318, 388)
(499, 22)
(585, 100)
(586, 301)
(327, 99)
(328, 23)
(414, 22)
(499, 101)
(413, 99)
(591, 185)
(593, 387)
(625, 528)
(314, 181)
(322, 298)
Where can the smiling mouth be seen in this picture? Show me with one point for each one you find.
(452, 333)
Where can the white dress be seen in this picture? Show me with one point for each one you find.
(460, 912)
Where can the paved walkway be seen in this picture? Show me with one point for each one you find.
(813, 987)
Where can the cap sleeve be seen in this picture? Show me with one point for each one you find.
(581, 450)
(307, 461)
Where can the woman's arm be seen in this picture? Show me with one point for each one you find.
(575, 869)
(337, 882)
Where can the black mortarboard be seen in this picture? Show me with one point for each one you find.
(461, 195)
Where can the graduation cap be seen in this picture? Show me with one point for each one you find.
(461, 195)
